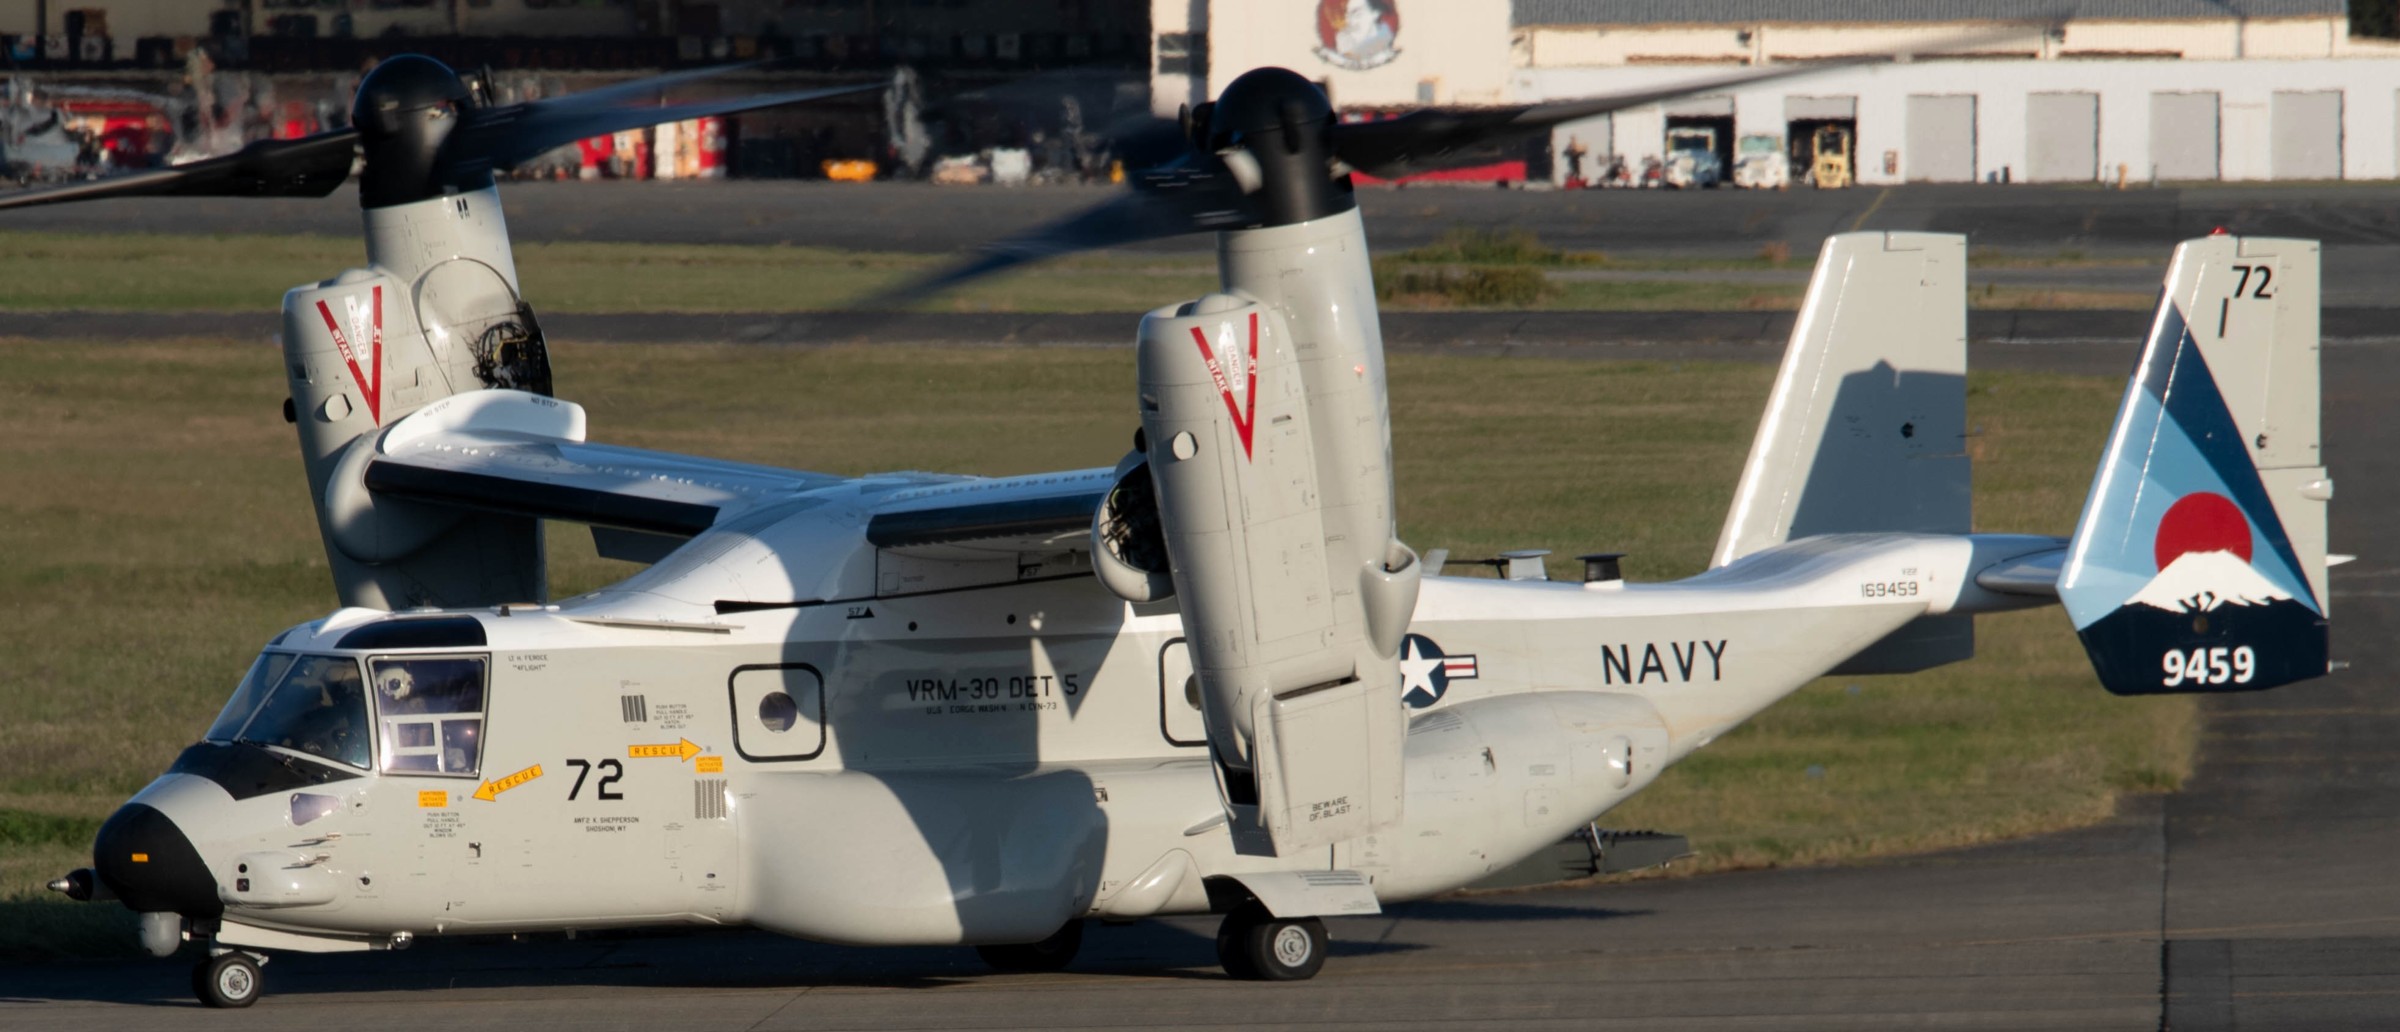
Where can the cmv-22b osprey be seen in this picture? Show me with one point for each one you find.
(927, 709)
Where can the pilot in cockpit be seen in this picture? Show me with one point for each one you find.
(328, 726)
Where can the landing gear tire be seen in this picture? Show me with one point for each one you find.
(1258, 946)
(226, 980)
(1051, 954)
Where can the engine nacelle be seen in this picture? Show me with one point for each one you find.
(1129, 550)
(1292, 644)
(434, 315)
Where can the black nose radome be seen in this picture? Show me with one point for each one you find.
(153, 868)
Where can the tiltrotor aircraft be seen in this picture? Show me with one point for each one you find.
(928, 709)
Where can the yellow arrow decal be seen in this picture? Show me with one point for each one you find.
(683, 750)
(491, 789)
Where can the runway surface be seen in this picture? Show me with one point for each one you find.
(2261, 897)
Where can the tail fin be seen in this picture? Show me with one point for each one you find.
(2199, 562)
(1865, 430)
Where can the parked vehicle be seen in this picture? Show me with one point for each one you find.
(1832, 168)
(1692, 158)
(1759, 163)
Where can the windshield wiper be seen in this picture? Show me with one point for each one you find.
(275, 753)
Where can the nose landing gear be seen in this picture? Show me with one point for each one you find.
(228, 979)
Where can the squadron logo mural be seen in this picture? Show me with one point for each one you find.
(1358, 34)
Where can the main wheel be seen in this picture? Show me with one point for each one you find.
(1051, 954)
(227, 980)
(1254, 944)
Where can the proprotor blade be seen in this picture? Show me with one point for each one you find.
(1432, 139)
(1195, 195)
(1268, 152)
(505, 136)
(311, 166)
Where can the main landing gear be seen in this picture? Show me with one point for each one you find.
(228, 979)
(1254, 944)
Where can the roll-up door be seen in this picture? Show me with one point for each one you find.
(2183, 135)
(2307, 131)
(1941, 139)
(1819, 109)
(2062, 137)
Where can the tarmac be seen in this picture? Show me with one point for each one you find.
(2259, 897)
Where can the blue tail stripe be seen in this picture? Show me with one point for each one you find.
(2188, 391)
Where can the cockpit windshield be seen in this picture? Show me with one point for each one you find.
(310, 704)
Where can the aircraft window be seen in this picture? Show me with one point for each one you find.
(254, 687)
(318, 707)
(778, 712)
(308, 806)
(432, 709)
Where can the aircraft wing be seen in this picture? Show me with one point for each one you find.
(980, 519)
(525, 455)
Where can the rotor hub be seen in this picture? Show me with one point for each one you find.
(1282, 122)
(405, 111)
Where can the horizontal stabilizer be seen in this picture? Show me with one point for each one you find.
(2034, 575)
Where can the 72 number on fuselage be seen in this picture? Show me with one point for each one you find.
(583, 769)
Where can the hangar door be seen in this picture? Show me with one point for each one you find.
(2307, 131)
(2183, 135)
(2062, 137)
(1941, 139)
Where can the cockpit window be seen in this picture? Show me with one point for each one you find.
(317, 706)
(432, 710)
(254, 688)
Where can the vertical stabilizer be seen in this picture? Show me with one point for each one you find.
(1865, 429)
(2199, 562)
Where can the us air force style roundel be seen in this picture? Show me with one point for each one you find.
(1426, 671)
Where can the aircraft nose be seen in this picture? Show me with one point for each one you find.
(152, 866)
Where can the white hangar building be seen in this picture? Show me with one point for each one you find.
(2164, 89)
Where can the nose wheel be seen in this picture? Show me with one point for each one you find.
(1254, 944)
(227, 980)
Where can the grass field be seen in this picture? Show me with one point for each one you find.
(155, 272)
(154, 530)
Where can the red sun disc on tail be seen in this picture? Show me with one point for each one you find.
(2202, 521)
